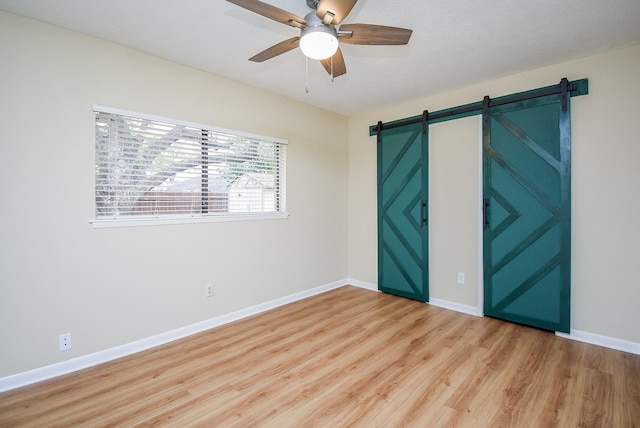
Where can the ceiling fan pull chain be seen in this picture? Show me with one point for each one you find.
(306, 74)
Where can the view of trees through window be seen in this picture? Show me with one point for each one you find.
(153, 168)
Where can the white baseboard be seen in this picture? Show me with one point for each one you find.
(362, 284)
(607, 342)
(581, 336)
(54, 370)
(89, 360)
(458, 307)
(471, 310)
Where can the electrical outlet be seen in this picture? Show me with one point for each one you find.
(64, 342)
(460, 277)
(208, 290)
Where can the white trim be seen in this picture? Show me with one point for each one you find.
(168, 218)
(362, 284)
(458, 307)
(58, 369)
(607, 342)
(85, 361)
(132, 221)
(139, 115)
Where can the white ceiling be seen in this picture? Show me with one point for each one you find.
(455, 43)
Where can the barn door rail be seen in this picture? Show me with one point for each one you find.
(573, 89)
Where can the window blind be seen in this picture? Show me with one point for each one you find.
(154, 167)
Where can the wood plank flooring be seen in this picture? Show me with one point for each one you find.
(348, 357)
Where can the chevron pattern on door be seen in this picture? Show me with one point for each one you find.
(527, 234)
(402, 231)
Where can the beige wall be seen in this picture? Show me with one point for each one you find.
(605, 189)
(109, 287)
(454, 168)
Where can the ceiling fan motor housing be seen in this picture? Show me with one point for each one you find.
(315, 24)
(313, 4)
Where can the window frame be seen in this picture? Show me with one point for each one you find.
(195, 218)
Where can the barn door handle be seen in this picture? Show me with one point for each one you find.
(423, 218)
(485, 212)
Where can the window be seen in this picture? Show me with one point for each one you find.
(153, 170)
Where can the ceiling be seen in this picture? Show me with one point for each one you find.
(455, 43)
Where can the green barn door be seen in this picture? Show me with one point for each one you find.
(526, 167)
(402, 210)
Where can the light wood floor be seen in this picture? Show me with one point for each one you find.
(349, 357)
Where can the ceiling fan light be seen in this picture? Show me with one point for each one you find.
(318, 43)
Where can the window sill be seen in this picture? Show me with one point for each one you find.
(166, 220)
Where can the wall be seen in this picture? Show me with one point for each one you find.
(109, 287)
(605, 189)
(454, 168)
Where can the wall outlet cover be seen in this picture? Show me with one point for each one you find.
(208, 290)
(64, 342)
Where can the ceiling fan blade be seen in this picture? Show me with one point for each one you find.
(367, 34)
(339, 8)
(270, 12)
(339, 67)
(277, 49)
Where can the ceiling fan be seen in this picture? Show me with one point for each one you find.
(318, 33)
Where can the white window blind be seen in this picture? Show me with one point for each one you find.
(151, 168)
